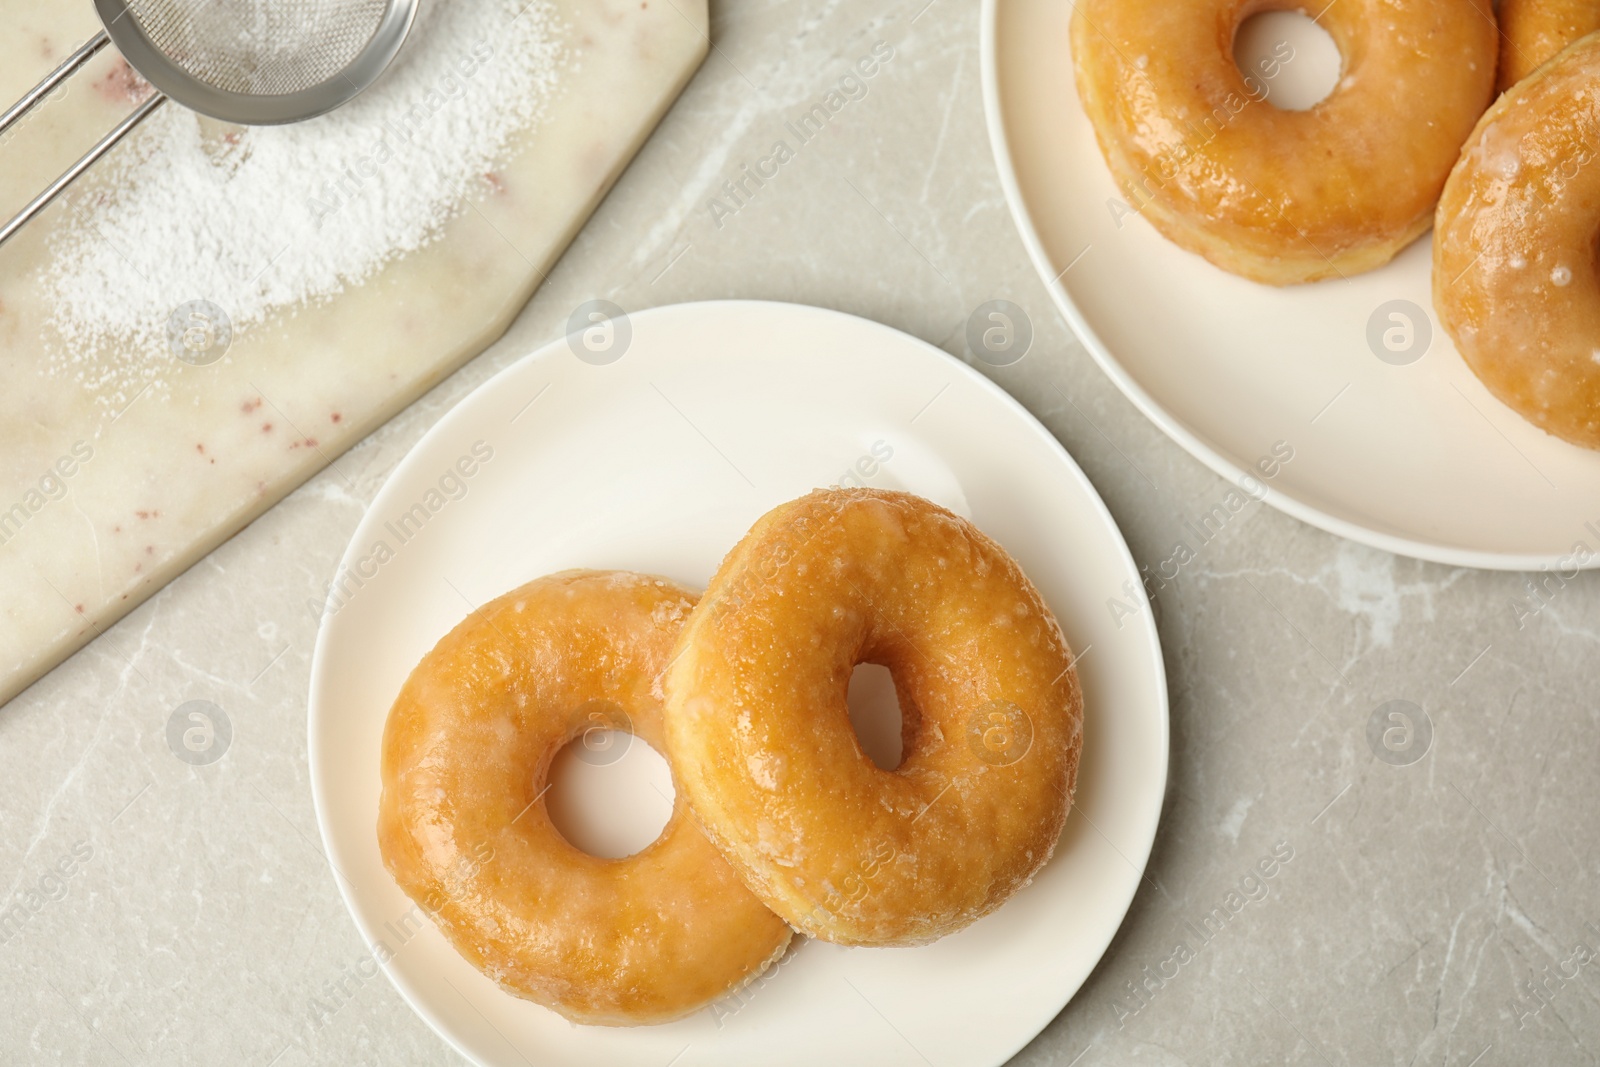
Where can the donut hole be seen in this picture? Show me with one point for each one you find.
(875, 715)
(609, 794)
(1287, 59)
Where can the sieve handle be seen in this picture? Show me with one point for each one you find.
(53, 79)
(105, 144)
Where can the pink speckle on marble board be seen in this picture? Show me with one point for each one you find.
(122, 84)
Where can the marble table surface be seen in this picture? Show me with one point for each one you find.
(1438, 906)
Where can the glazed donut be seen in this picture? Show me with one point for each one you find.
(1514, 276)
(1274, 195)
(1533, 31)
(463, 827)
(759, 731)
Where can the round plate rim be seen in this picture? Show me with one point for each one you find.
(1430, 551)
(556, 348)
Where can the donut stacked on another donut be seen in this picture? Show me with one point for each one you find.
(758, 728)
(1274, 195)
(464, 830)
(1533, 32)
(1514, 273)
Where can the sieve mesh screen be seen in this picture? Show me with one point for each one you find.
(260, 47)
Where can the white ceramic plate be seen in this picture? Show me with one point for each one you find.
(659, 462)
(1416, 458)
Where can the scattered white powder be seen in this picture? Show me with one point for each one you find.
(258, 219)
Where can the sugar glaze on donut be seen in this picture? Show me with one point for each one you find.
(1533, 32)
(1274, 195)
(463, 826)
(758, 727)
(1514, 274)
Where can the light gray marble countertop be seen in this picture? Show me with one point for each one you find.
(1441, 912)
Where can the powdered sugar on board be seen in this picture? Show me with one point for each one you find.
(263, 219)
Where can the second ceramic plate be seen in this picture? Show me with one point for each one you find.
(1394, 442)
(652, 444)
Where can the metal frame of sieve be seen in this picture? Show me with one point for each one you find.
(251, 109)
(122, 27)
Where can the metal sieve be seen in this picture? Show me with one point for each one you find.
(256, 62)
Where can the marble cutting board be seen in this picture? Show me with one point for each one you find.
(104, 499)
